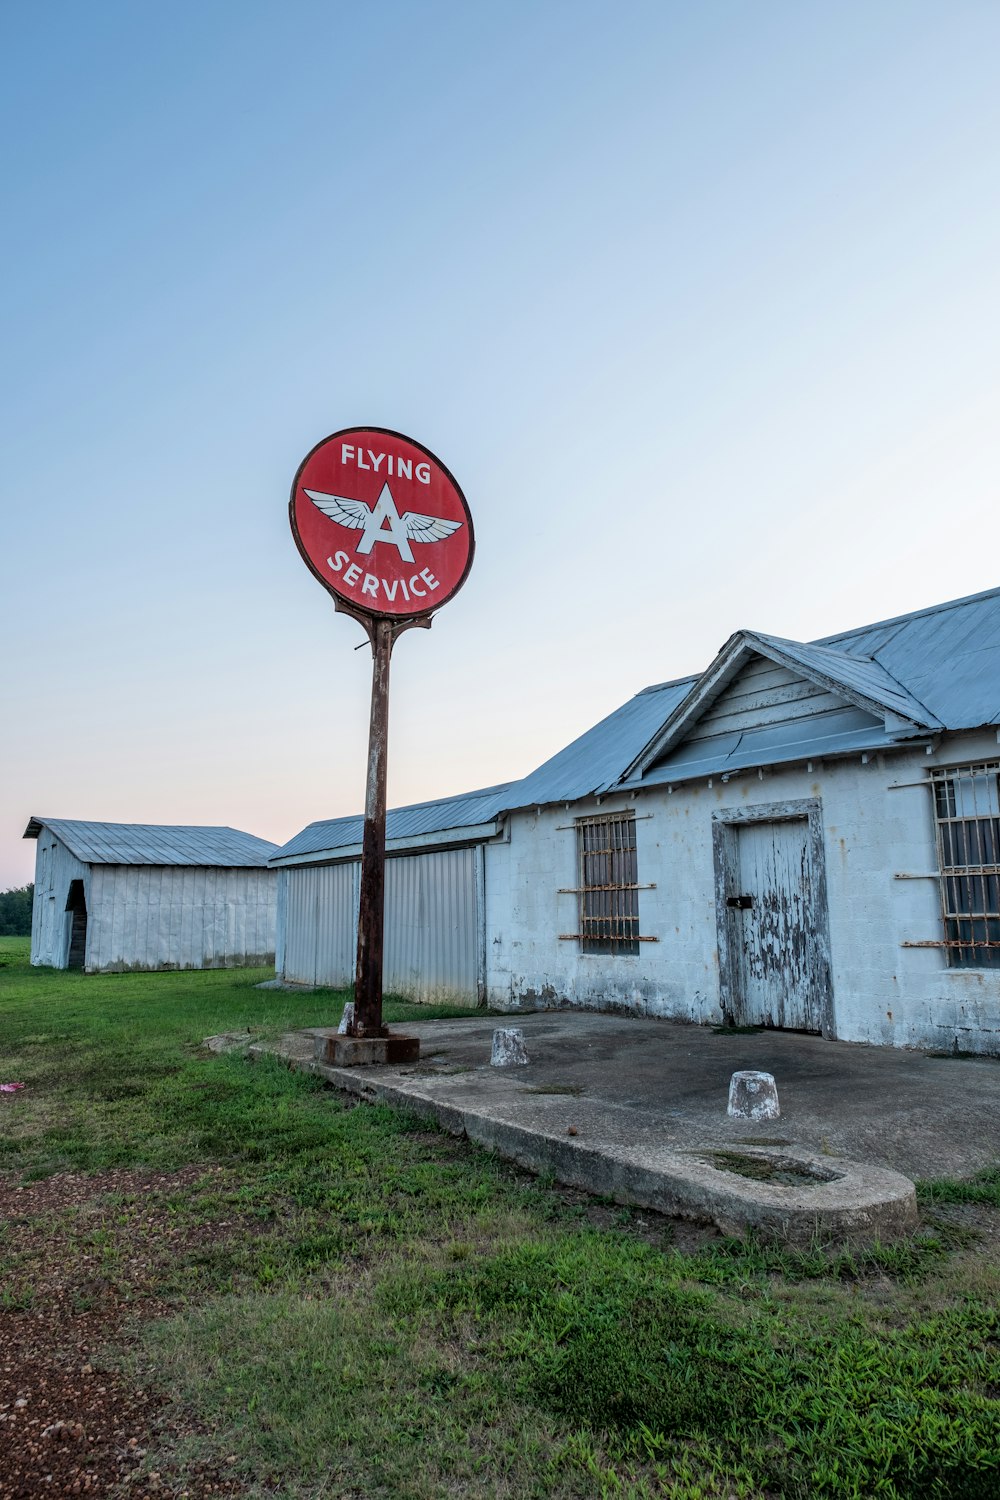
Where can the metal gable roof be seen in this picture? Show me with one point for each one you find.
(938, 668)
(859, 681)
(865, 676)
(155, 844)
(947, 656)
(469, 813)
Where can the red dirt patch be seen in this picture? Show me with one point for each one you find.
(79, 1271)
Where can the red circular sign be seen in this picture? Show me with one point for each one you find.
(381, 523)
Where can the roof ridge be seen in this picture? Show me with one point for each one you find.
(915, 614)
(656, 687)
(115, 823)
(850, 656)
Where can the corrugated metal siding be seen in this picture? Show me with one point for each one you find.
(179, 917)
(433, 917)
(55, 867)
(432, 927)
(281, 929)
(319, 939)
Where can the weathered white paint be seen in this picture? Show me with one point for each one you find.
(877, 822)
(152, 916)
(508, 1049)
(753, 1096)
(773, 863)
(764, 693)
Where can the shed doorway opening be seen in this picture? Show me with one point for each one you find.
(76, 903)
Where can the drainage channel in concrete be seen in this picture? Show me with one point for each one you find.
(634, 1155)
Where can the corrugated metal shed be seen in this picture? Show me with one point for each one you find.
(470, 816)
(123, 896)
(153, 844)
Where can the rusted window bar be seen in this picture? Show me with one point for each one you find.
(609, 906)
(967, 811)
(576, 890)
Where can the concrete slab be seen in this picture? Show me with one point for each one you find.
(636, 1109)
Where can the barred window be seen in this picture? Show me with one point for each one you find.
(967, 805)
(609, 895)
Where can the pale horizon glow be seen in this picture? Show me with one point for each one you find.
(700, 304)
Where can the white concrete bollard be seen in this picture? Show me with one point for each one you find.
(508, 1048)
(753, 1096)
(346, 1018)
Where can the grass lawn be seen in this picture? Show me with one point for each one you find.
(218, 1277)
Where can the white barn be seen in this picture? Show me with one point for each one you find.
(120, 896)
(804, 835)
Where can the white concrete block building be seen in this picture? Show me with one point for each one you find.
(121, 896)
(805, 836)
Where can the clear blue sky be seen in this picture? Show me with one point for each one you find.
(699, 302)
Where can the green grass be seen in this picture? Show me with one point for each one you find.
(360, 1305)
(984, 1187)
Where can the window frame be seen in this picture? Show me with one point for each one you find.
(608, 889)
(969, 888)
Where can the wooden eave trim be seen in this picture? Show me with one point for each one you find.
(700, 697)
(874, 706)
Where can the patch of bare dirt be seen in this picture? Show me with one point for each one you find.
(79, 1269)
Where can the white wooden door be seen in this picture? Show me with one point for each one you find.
(773, 920)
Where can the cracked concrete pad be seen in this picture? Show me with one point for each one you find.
(576, 1117)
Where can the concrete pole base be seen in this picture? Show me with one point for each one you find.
(339, 1051)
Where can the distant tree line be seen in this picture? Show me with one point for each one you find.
(15, 911)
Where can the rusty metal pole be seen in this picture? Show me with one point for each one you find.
(371, 915)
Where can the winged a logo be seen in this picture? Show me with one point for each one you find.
(382, 522)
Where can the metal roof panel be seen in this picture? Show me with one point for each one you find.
(155, 844)
(947, 656)
(833, 733)
(336, 835)
(861, 674)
